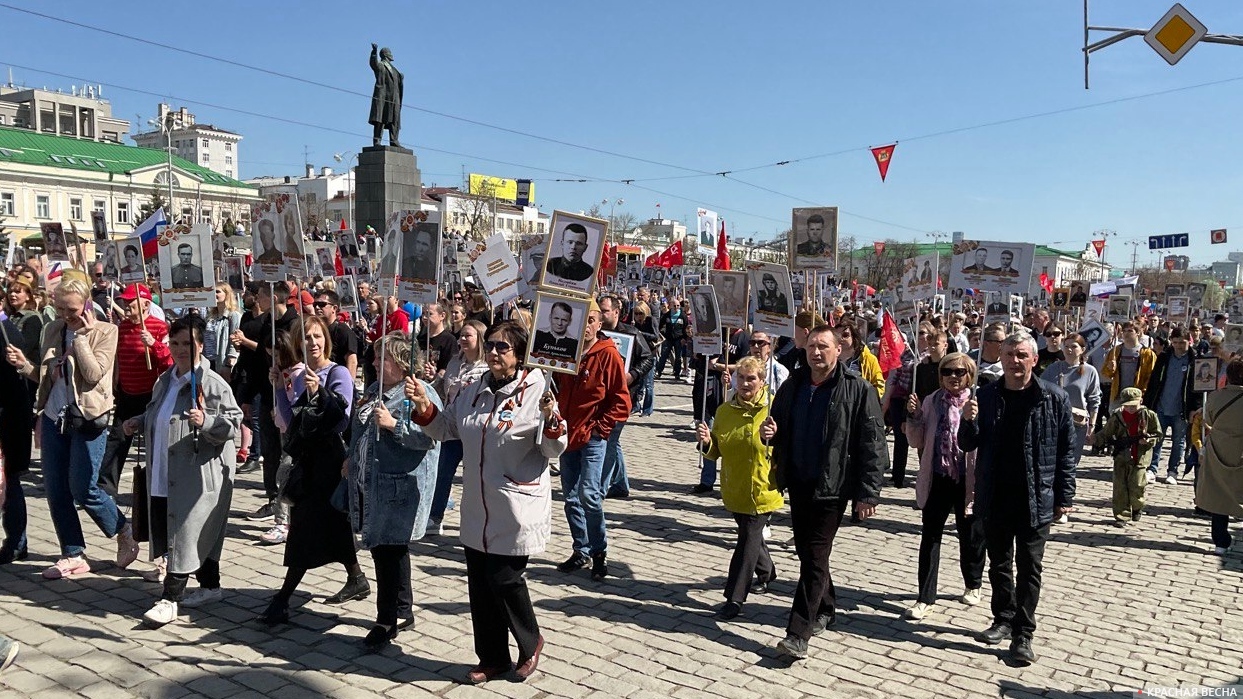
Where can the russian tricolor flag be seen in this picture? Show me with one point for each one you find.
(148, 232)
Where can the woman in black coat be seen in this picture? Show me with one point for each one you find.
(16, 412)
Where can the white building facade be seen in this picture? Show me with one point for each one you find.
(202, 144)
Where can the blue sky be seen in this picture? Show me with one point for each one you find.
(714, 86)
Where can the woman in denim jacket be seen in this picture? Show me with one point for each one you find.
(391, 476)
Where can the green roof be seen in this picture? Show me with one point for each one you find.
(33, 148)
(945, 248)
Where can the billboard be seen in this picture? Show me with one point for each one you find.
(501, 188)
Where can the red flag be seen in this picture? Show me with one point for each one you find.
(336, 261)
(883, 155)
(343, 226)
(1099, 246)
(608, 264)
(652, 260)
(879, 247)
(672, 256)
(1046, 283)
(892, 345)
(722, 251)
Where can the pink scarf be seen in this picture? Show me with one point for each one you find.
(949, 413)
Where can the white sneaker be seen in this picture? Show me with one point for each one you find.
(1152, 477)
(162, 613)
(1170, 479)
(919, 611)
(201, 597)
(768, 532)
(1064, 519)
(971, 597)
(275, 535)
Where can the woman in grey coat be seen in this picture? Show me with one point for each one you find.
(392, 475)
(191, 460)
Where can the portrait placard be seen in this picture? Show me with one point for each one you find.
(813, 237)
(771, 294)
(497, 270)
(992, 266)
(325, 265)
(1234, 309)
(419, 278)
(625, 346)
(1172, 290)
(705, 320)
(556, 344)
(731, 297)
(707, 223)
(1233, 341)
(1119, 308)
(1178, 309)
(1078, 293)
(1195, 294)
(1204, 378)
(1061, 298)
(531, 249)
(99, 225)
(233, 272)
(1016, 306)
(133, 266)
(110, 261)
(918, 280)
(347, 292)
(1094, 336)
(277, 247)
(348, 249)
(184, 253)
(55, 248)
(572, 257)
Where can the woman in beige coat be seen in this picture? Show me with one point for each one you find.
(1219, 489)
(190, 428)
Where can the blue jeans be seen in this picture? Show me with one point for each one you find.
(1178, 440)
(707, 469)
(675, 348)
(450, 458)
(582, 472)
(649, 392)
(71, 465)
(14, 513)
(615, 464)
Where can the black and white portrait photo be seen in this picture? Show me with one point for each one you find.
(707, 223)
(813, 237)
(181, 264)
(703, 310)
(419, 252)
(347, 291)
(1078, 294)
(573, 253)
(1172, 290)
(265, 248)
(99, 225)
(731, 297)
(327, 266)
(559, 325)
(347, 248)
(1061, 298)
(1119, 309)
(132, 268)
(1002, 267)
(1016, 306)
(54, 245)
(1204, 376)
(1195, 294)
(233, 272)
(770, 297)
(110, 262)
(771, 293)
(187, 272)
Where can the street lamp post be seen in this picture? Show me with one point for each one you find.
(349, 183)
(612, 204)
(166, 125)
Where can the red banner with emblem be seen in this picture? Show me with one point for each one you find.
(1099, 246)
(879, 247)
(883, 155)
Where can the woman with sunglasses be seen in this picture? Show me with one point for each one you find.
(646, 325)
(946, 482)
(1079, 379)
(509, 427)
(1052, 352)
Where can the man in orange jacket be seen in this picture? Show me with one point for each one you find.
(594, 403)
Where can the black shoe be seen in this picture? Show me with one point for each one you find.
(355, 588)
(994, 634)
(404, 623)
(576, 561)
(617, 494)
(248, 466)
(379, 637)
(701, 489)
(276, 613)
(761, 586)
(729, 611)
(8, 555)
(262, 514)
(1021, 651)
(822, 622)
(1135, 517)
(793, 646)
(599, 567)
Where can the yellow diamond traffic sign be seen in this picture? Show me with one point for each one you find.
(1175, 34)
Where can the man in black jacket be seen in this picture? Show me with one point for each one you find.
(1021, 429)
(828, 449)
(641, 362)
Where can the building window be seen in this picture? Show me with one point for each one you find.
(228, 147)
(75, 209)
(43, 206)
(122, 212)
(206, 143)
(228, 160)
(187, 214)
(100, 205)
(204, 215)
(207, 158)
(6, 204)
(228, 173)
(2, 118)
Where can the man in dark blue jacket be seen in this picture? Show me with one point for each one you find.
(828, 450)
(1021, 430)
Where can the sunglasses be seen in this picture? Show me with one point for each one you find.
(954, 371)
(321, 304)
(499, 346)
(760, 343)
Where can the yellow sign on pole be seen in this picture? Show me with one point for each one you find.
(1175, 34)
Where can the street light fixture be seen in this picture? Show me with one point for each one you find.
(349, 180)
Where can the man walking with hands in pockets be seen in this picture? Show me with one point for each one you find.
(828, 449)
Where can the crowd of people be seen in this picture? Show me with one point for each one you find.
(358, 423)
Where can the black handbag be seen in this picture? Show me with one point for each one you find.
(72, 420)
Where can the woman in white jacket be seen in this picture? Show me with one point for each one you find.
(509, 427)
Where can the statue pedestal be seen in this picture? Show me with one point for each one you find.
(387, 180)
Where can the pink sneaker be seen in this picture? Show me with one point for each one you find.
(127, 548)
(67, 568)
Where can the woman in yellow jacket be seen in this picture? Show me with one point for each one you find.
(857, 357)
(746, 489)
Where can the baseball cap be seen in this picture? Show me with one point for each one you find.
(1130, 396)
(135, 291)
(808, 320)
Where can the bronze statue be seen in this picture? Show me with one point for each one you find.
(385, 97)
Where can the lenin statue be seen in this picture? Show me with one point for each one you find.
(385, 97)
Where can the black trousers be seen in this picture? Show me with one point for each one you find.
(270, 446)
(1102, 411)
(116, 451)
(208, 574)
(1015, 546)
(945, 496)
(900, 448)
(394, 597)
(815, 524)
(750, 554)
(500, 605)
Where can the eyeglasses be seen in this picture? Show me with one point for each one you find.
(499, 346)
(321, 304)
(760, 343)
(954, 371)
(1054, 333)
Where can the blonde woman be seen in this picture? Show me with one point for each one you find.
(222, 321)
(75, 405)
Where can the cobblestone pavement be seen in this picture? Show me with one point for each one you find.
(1120, 610)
